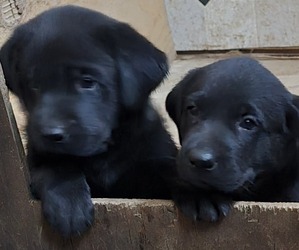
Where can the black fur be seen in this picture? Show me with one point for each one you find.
(238, 127)
(85, 80)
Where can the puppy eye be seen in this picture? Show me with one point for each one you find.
(87, 83)
(248, 123)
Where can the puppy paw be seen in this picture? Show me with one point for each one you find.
(70, 213)
(203, 206)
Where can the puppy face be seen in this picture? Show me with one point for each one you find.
(236, 123)
(76, 71)
(73, 99)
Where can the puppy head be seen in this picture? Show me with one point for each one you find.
(237, 123)
(76, 71)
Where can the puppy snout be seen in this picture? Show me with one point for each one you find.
(204, 159)
(55, 134)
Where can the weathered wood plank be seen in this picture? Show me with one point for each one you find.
(132, 224)
(15, 209)
(145, 224)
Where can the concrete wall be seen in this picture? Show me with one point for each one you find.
(233, 24)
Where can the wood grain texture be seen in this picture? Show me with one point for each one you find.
(15, 208)
(145, 224)
(133, 224)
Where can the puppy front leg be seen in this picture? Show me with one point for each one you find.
(65, 198)
(202, 205)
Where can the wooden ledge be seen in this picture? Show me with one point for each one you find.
(132, 224)
(156, 224)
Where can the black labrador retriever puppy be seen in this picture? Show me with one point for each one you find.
(238, 128)
(85, 81)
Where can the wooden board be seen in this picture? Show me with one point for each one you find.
(132, 224)
(17, 222)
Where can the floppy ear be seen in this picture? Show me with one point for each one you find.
(174, 103)
(141, 65)
(10, 56)
(174, 100)
(8, 59)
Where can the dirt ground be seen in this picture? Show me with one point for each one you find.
(285, 67)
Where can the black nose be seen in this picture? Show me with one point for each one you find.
(55, 134)
(202, 159)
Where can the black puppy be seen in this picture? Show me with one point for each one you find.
(238, 127)
(85, 80)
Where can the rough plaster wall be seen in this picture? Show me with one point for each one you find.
(233, 24)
